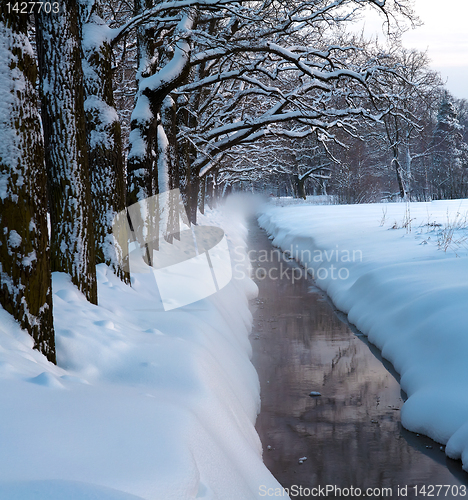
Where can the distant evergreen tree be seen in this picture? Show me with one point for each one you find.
(450, 157)
(25, 278)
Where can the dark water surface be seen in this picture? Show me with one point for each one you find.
(351, 434)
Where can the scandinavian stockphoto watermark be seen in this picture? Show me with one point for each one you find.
(188, 262)
(275, 264)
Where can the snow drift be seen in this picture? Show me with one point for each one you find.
(144, 403)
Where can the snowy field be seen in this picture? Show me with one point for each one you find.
(145, 404)
(400, 272)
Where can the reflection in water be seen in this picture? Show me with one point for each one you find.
(351, 434)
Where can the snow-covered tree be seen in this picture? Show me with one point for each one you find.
(356, 176)
(450, 159)
(104, 138)
(413, 98)
(461, 106)
(233, 70)
(63, 116)
(25, 279)
(303, 164)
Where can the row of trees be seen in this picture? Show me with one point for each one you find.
(214, 79)
(417, 152)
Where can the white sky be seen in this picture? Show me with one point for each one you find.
(445, 36)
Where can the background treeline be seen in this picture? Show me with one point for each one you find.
(419, 154)
(430, 164)
(106, 103)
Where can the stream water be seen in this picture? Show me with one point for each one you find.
(351, 434)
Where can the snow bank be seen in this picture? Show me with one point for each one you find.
(145, 404)
(400, 272)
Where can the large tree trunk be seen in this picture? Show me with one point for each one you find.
(193, 189)
(299, 187)
(189, 176)
(184, 147)
(189, 180)
(153, 159)
(169, 124)
(168, 165)
(25, 279)
(61, 83)
(141, 161)
(210, 190)
(104, 141)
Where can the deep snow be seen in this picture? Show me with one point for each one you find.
(144, 403)
(400, 272)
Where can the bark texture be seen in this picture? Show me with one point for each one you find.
(25, 278)
(141, 162)
(62, 97)
(104, 140)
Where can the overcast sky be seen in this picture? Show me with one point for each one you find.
(445, 36)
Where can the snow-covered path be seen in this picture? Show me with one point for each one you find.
(387, 268)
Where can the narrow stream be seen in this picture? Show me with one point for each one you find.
(351, 434)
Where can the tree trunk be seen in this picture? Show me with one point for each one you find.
(408, 167)
(202, 195)
(209, 190)
(143, 126)
(25, 278)
(189, 179)
(184, 149)
(63, 116)
(192, 195)
(104, 142)
(401, 184)
(299, 187)
(140, 167)
(169, 124)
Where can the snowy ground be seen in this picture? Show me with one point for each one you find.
(145, 404)
(400, 271)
